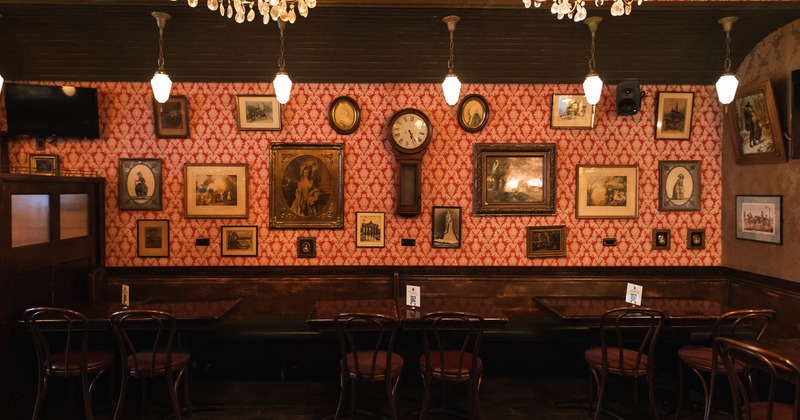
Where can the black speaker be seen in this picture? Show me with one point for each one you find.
(629, 99)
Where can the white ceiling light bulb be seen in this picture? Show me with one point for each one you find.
(451, 85)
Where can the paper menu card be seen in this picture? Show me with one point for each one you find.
(634, 294)
(413, 297)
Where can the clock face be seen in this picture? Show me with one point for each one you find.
(410, 129)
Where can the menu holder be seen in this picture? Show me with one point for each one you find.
(413, 296)
(126, 296)
(634, 294)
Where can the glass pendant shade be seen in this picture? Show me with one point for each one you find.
(1, 83)
(451, 88)
(283, 86)
(161, 86)
(726, 88)
(592, 88)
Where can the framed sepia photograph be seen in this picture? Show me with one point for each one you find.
(674, 115)
(760, 218)
(39, 164)
(140, 184)
(152, 238)
(473, 113)
(571, 111)
(306, 186)
(696, 239)
(679, 185)
(446, 227)
(752, 123)
(344, 115)
(370, 230)
(546, 241)
(215, 191)
(239, 241)
(662, 239)
(172, 118)
(258, 113)
(607, 192)
(517, 178)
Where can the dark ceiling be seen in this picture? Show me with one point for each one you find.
(374, 41)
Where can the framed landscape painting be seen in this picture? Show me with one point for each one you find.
(571, 111)
(759, 218)
(679, 185)
(258, 113)
(546, 241)
(239, 241)
(674, 115)
(607, 191)
(140, 184)
(215, 191)
(152, 238)
(752, 123)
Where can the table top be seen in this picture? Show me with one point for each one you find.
(326, 310)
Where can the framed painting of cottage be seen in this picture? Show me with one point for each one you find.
(607, 192)
(753, 125)
(674, 115)
(679, 185)
(215, 191)
(760, 218)
(140, 184)
(239, 241)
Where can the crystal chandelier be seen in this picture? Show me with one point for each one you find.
(241, 10)
(576, 10)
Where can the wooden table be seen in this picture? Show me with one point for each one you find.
(326, 310)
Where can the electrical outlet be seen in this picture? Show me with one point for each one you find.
(609, 241)
(202, 242)
(408, 242)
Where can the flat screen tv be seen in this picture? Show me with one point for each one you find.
(52, 111)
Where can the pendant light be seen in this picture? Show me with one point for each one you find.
(451, 85)
(160, 81)
(1, 83)
(282, 84)
(593, 85)
(727, 83)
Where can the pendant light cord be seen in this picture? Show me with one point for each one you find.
(727, 51)
(160, 48)
(281, 60)
(591, 55)
(450, 62)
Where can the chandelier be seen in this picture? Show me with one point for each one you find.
(241, 10)
(576, 10)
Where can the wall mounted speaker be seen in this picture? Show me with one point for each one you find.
(629, 99)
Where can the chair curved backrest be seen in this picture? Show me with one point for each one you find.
(58, 330)
(771, 367)
(449, 334)
(144, 332)
(369, 356)
(750, 324)
(613, 325)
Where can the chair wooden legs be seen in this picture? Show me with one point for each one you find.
(651, 390)
(343, 381)
(41, 391)
(708, 390)
(121, 400)
(474, 387)
(391, 392)
(426, 396)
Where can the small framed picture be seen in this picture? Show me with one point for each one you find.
(446, 229)
(239, 241)
(546, 241)
(571, 111)
(139, 184)
(215, 191)
(344, 115)
(760, 218)
(662, 240)
(258, 113)
(370, 230)
(172, 118)
(306, 247)
(674, 115)
(43, 165)
(152, 238)
(473, 113)
(753, 124)
(607, 191)
(696, 239)
(679, 185)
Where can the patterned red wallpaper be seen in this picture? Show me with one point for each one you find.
(519, 114)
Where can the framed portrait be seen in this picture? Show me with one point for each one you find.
(258, 113)
(571, 111)
(546, 241)
(446, 227)
(517, 178)
(662, 240)
(607, 192)
(344, 115)
(152, 238)
(172, 118)
(760, 218)
(753, 125)
(674, 115)
(696, 239)
(370, 230)
(39, 164)
(679, 185)
(473, 113)
(239, 241)
(306, 186)
(215, 191)
(306, 247)
(140, 184)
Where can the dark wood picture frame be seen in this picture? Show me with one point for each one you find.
(43, 164)
(140, 183)
(473, 113)
(546, 241)
(571, 111)
(662, 239)
(316, 171)
(258, 113)
(215, 191)
(679, 185)
(172, 118)
(696, 239)
(370, 229)
(306, 247)
(753, 125)
(446, 227)
(238, 241)
(674, 114)
(760, 218)
(494, 164)
(152, 238)
(344, 115)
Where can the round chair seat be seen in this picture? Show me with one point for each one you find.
(780, 411)
(365, 364)
(699, 358)
(594, 358)
(96, 360)
(451, 366)
(144, 362)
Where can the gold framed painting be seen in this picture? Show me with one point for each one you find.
(152, 238)
(752, 123)
(571, 111)
(674, 115)
(258, 113)
(546, 241)
(172, 118)
(607, 192)
(40, 164)
(215, 191)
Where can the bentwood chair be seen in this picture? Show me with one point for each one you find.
(146, 344)
(61, 339)
(628, 338)
(451, 341)
(764, 370)
(704, 361)
(367, 342)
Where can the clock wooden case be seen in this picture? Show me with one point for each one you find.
(410, 133)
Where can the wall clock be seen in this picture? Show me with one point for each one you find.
(410, 133)
(344, 115)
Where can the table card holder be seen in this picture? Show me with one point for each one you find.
(413, 296)
(126, 296)
(634, 294)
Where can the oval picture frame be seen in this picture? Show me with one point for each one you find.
(344, 115)
(473, 113)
